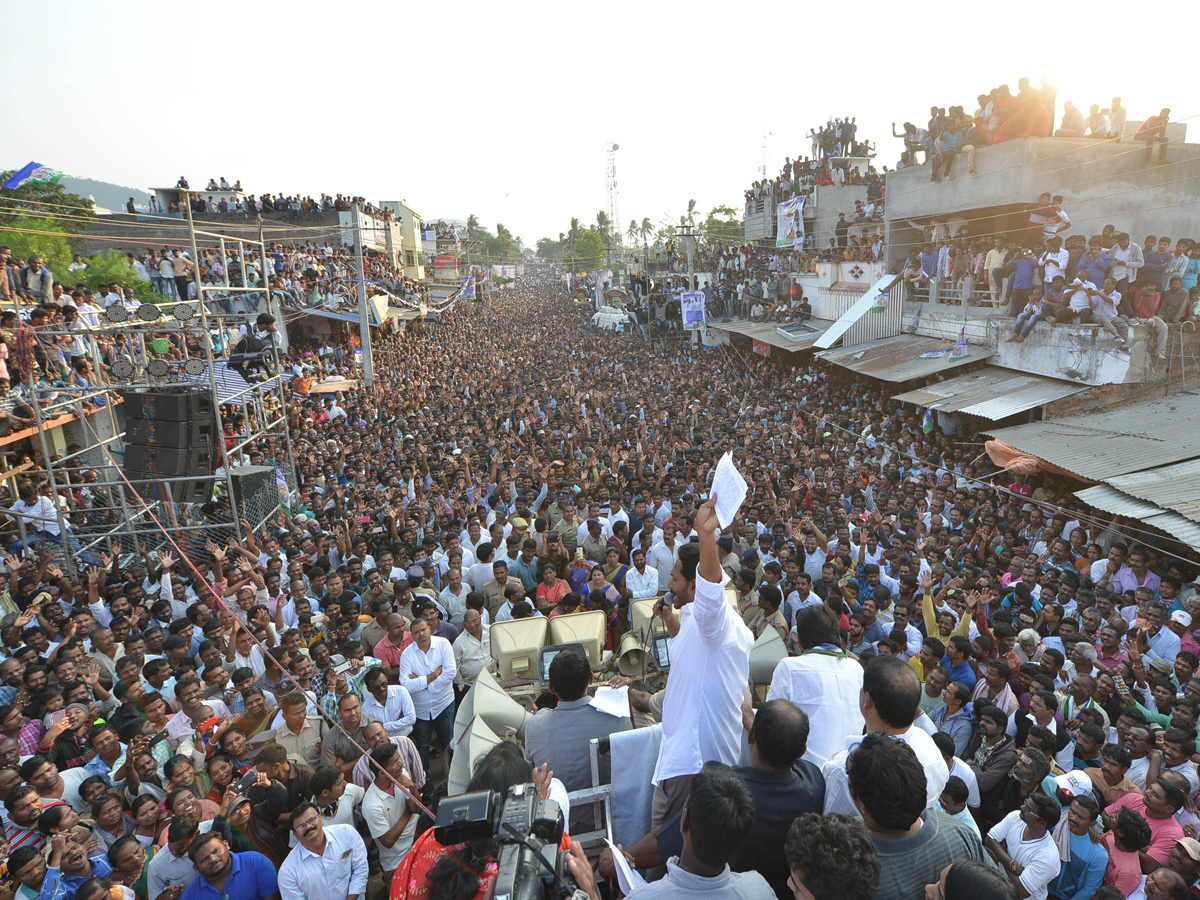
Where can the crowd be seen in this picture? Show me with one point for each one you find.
(991, 691)
(294, 206)
(1001, 117)
(1106, 279)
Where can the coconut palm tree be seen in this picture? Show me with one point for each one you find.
(573, 233)
(646, 228)
(691, 213)
(603, 225)
(633, 230)
(472, 224)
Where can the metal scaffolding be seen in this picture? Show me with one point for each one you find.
(180, 347)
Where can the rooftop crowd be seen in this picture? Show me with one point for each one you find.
(991, 689)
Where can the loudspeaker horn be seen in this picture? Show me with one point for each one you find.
(474, 744)
(631, 656)
(487, 701)
(767, 653)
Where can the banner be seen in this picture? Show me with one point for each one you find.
(692, 307)
(790, 231)
(762, 348)
(468, 287)
(445, 262)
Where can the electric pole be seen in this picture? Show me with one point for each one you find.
(364, 315)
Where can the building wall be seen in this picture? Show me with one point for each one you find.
(1100, 182)
(822, 208)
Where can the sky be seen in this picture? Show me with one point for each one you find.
(506, 110)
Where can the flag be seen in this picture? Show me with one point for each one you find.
(881, 300)
(927, 419)
(857, 356)
(933, 354)
(961, 349)
(916, 320)
(34, 173)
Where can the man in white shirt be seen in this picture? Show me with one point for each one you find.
(390, 814)
(328, 863)
(1021, 841)
(640, 579)
(427, 669)
(472, 649)
(664, 555)
(391, 704)
(888, 702)
(823, 682)
(1054, 260)
(710, 648)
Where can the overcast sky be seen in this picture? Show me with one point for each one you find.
(506, 110)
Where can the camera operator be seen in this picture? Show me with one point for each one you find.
(467, 871)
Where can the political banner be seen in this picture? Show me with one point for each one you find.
(468, 287)
(762, 348)
(790, 231)
(692, 307)
(34, 173)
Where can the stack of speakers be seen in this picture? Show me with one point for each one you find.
(168, 435)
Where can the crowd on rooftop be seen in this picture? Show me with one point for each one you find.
(991, 688)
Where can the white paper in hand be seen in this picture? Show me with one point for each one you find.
(614, 701)
(730, 488)
(628, 878)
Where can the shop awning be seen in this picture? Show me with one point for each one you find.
(899, 358)
(1104, 446)
(785, 337)
(993, 392)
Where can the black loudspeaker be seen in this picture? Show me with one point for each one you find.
(170, 406)
(171, 434)
(255, 491)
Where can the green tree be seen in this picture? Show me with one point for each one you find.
(723, 226)
(590, 250)
(472, 225)
(52, 244)
(603, 224)
(646, 229)
(633, 230)
(113, 266)
(74, 212)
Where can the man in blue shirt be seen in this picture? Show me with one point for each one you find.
(1082, 874)
(69, 867)
(957, 661)
(237, 876)
(1021, 268)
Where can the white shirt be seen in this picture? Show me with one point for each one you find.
(837, 788)
(41, 514)
(340, 871)
(471, 656)
(642, 585)
(429, 697)
(381, 811)
(1039, 857)
(663, 559)
(455, 604)
(353, 797)
(967, 774)
(710, 669)
(397, 713)
(826, 687)
(1055, 263)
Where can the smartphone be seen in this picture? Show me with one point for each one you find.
(341, 667)
(579, 553)
(246, 782)
(158, 738)
(58, 716)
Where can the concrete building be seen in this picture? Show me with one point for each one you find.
(412, 255)
(1100, 182)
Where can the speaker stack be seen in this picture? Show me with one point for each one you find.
(171, 434)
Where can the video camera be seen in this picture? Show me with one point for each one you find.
(529, 831)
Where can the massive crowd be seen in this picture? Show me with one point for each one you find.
(991, 690)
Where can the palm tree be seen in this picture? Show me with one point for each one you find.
(603, 225)
(691, 213)
(633, 230)
(472, 224)
(573, 233)
(646, 228)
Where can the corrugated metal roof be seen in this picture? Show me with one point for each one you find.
(768, 333)
(1175, 487)
(992, 392)
(1103, 446)
(898, 358)
(1111, 500)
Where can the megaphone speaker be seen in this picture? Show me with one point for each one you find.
(486, 700)
(767, 653)
(474, 744)
(631, 656)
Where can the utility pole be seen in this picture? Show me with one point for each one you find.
(364, 315)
